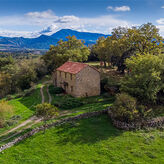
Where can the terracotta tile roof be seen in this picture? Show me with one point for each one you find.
(72, 67)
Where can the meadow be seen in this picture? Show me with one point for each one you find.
(88, 141)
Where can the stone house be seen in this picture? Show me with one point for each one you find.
(77, 79)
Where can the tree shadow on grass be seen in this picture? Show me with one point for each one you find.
(88, 131)
(93, 107)
(31, 100)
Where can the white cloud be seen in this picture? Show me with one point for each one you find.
(47, 22)
(121, 8)
(160, 25)
(160, 21)
(110, 8)
(102, 24)
(162, 7)
(161, 29)
(48, 14)
(66, 19)
(10, 33)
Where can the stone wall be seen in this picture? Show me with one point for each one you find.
(54, 124)
(156, 122)
(152, 123)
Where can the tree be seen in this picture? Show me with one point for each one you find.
(126, 42)
(47, 111)
(145, 78)
(6, 61)
(100, 49)
(71, 49)
(5, 109)
(5, 84)
(16, 74)
(144, 39)
(26, 74)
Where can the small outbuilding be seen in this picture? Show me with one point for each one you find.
(77, 79)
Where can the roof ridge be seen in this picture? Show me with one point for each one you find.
(72, 67)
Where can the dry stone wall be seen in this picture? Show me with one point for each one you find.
(54, 124)
(156, 122)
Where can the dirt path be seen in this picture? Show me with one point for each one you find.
(49, 96)
(42, 94)
(35, 121)
(31, 119)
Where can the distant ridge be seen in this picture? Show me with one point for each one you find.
(44, 41)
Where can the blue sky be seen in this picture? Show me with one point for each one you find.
(29, 18)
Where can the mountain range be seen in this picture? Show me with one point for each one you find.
(44, 41)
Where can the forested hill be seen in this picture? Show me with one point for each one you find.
(44, 41)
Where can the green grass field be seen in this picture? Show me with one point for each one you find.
(23, 107)
(88, 141)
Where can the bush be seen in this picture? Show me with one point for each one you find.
(68, 102)
(112, 86)
(107, 95)
(55, 90)
(5, 110)
(144, 80)
(10, 122)
(46, 110)
(124, 108)
(10, 97)
(103, 82)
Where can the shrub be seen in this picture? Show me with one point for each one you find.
(46, 111)
(68, 102)
(55, 90)
(145, 78)
(106, 95)
(10, 97)
(112, 86)
(5, 109)
(10, 122)
(103, 82)
(124, 108)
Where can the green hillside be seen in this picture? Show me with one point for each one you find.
(88, 141)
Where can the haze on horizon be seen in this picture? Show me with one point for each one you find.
(30, 18)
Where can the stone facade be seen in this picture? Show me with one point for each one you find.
(84, 83)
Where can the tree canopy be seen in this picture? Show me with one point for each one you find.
(126, 42)
(71, 49)
(145, 79)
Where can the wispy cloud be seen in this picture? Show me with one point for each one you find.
(110, 8)
(121, 8)
(48, 14)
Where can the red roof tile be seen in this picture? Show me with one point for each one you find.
(72, 67)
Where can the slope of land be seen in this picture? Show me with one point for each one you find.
(92, 140)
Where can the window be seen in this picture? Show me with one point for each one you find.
(65, 75)
(71, 76)
(71, 88)
(60, 74)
